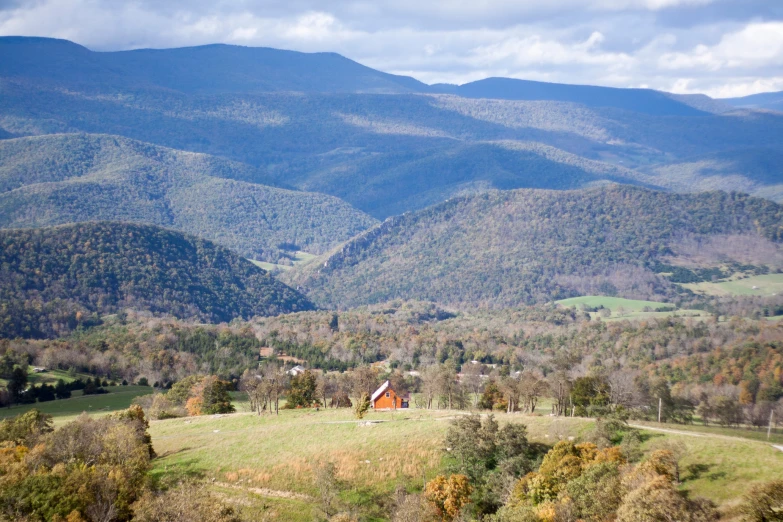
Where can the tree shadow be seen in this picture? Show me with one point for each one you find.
(177, 472)
(644, 436)
(697, 471)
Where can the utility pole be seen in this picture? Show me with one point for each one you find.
(660, 405)
(769, 428)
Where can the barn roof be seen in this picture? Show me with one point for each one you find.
(380, 390)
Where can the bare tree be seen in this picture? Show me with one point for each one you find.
(622, 388)
(532, 386)
(560, 388)
(447, 383)
(473, 380)
(429, 384)
(511, 388)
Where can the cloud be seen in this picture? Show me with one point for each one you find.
(711, 46)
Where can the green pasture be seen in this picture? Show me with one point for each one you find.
(761, 285)
(622, 309)
(64, 410)
(299, 258)
(612, 303)
(48, 377)
(264, 463)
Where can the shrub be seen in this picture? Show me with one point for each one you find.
(763, 503)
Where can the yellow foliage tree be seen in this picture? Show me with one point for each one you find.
(448, 495)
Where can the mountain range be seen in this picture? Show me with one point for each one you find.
(494, 193)
(320, 122)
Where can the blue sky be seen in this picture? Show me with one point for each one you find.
(719, 47)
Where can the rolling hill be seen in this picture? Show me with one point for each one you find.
(502, 249)
(56, 179)
(55, 279)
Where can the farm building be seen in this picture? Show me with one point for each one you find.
(385, 398)
(296, 370)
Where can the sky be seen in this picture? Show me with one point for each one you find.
(723, 48)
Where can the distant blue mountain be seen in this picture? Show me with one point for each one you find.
(646, 101)
(205, 69)
(222, 69)
(768, 100)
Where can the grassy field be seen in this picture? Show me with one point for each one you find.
(762, 285)
(48, 377)
(264, 464)
(612, 303)
(272, 457)
(776, 436)
(299, 258)
(268, 460)
(626, 308)
(64, 410)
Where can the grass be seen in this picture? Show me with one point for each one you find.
(612, 303)
(765, 285)
(265, 463)
(720, 469)
(48, 377)
(631, 308)
(299, 258)
(64, 410)
(760, 435)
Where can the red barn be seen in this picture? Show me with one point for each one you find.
(385, 398)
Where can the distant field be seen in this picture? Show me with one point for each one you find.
(48, 377)
(267, 461)
(762, 285)
(627, 308)
(299, 258)
(63, 410)
(612, 303)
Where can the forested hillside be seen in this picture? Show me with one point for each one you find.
(506, 248)
(51, 180)
(55, 279)
(757, 171)
(382, 153)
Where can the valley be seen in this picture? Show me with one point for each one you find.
(220, 265)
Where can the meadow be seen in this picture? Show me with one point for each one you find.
(760, 285)
(622, 308)
(265, 463)
(298, 259)
(65, 410)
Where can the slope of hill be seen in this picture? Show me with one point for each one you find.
(56, 179)
(402, 181)
(506, 248)
(204, 69)
(757, 171)
(767, 100)
(53, 279)
(645, 101)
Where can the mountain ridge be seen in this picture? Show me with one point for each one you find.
(507, 248)
(56, 179)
